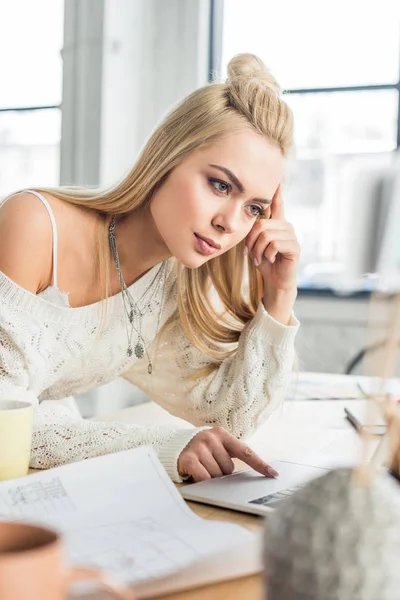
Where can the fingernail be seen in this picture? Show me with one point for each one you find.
(256, 262)
(271, 472)
(245, 250)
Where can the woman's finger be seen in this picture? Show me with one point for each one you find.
(288, 248)
(277, 206)
(201, 458)
(224, 461)
(239, 450)
(266, 225)
(211, 465)
(265, 240)
(189, 465)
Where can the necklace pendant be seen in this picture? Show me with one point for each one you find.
(131, 316)
(139, 350)
(150, 368)
(129, 351)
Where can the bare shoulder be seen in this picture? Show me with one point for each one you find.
(26, 241)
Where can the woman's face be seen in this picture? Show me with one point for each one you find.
(210, 202)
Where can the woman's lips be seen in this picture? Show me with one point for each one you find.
(203, 246)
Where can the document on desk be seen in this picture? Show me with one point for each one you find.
(334, 386)
(324, 386)
(121, 513)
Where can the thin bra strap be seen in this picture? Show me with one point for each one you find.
(55, 234)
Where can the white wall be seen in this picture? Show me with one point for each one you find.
(154, 53)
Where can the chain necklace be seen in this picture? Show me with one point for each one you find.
(133, 314)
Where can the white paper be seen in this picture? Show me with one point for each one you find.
(120, 513)
(231, 564)
(306, 386)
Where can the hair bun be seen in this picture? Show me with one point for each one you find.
(251, 67)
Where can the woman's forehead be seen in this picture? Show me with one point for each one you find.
(245, 147)
(254, 160)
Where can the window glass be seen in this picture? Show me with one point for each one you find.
(31, 38)
(310, 43)
(29, 149)
(364, 121)
(342, 138)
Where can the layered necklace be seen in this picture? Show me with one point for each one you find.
(132, 311)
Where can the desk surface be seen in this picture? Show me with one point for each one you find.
(299, 427)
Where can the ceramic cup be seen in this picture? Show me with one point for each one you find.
(16, 425)
(32, 566)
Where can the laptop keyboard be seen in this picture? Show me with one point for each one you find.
(276, 497)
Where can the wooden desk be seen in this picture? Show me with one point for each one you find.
(299, 427)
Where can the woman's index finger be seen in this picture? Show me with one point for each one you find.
(277, 206)
(237, 449)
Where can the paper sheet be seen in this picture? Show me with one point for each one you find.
(305, 386)
(320, 386)
(120, 513)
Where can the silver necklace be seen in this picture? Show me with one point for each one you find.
(133, 313)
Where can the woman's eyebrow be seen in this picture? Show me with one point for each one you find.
(237, 183)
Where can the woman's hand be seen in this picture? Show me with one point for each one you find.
(273, 246)
(209, 454)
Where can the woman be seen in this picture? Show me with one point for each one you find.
(167, 249)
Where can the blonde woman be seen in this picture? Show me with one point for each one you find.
(146, 281)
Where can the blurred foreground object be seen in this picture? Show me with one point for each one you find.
(338, 537)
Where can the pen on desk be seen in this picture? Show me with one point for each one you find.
(353, 420)
(364, 394)
(375, 429)
(379, 450)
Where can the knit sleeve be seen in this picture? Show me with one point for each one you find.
(14, 376)
(60, 437)
(240, 394)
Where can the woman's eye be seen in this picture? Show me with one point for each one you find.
(256, 211)
(221, 186)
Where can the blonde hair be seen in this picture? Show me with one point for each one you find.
(250, 98)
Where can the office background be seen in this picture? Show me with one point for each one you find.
(84, 82)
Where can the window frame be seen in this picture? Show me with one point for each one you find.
(216, 21)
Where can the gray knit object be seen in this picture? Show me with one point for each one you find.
(335, 540)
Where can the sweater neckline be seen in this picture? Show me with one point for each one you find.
(12, 292)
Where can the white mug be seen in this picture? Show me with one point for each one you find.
(16, 427)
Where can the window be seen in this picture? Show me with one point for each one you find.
(339, 64)
(31, 38)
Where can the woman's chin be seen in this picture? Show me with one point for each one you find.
(194, 261)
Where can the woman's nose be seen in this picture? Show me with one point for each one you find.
(226, 222)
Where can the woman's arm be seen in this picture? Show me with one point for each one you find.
(61, 438)
(26, 242)
(245, 389)
(25, 257)
(238, 396)
(58, 437)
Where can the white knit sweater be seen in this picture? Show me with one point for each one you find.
(49, 351)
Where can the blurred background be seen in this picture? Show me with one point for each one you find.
(84, 82)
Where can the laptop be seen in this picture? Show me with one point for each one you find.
(248, 491)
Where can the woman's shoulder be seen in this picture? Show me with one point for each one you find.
(25, 240)
(27, 228)
(23, 209)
